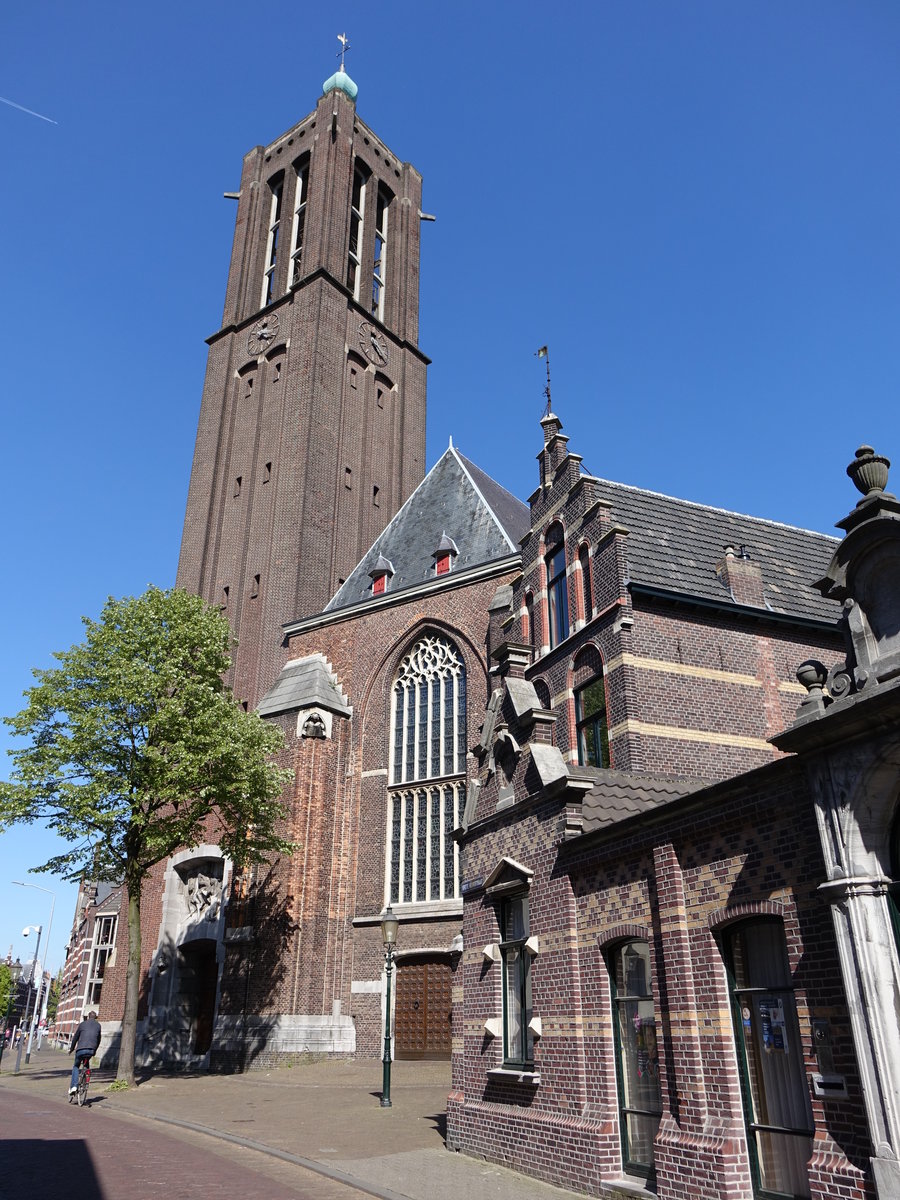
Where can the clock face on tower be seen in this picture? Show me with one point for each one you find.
(263, 334)
(373, 344)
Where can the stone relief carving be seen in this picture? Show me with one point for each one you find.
(204, 895)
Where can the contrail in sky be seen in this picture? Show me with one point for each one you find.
(30, 111)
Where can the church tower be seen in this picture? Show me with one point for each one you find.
(312, 423)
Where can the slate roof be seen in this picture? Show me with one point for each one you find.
(675, 545)
(456, 500)
(303, 683)
(617, 795)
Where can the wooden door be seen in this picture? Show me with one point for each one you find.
(422, 1017)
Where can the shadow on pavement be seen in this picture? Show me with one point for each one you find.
(49, 1168)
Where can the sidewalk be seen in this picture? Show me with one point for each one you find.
(320, 1115)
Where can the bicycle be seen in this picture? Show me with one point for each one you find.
(84, 1079)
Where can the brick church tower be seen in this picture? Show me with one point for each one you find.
(312, 424)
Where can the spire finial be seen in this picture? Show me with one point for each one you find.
(345, 46)
(545, 353)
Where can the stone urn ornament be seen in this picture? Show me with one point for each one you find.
(869, 471)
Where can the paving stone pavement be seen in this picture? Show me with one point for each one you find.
(320, 1115)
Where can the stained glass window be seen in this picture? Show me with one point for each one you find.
(428, 742)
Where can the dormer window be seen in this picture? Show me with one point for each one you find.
(380, 575)
(444, 554)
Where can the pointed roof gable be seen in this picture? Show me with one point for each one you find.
(457, 500)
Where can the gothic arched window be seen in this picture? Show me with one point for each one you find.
(428, 745)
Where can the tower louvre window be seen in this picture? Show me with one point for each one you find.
(357, 213)
(300, 198)
(272, 243)
(379, 264)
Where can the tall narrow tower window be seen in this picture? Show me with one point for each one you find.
(378, 266)
(272, 243)
(357, 212)
(300, 197)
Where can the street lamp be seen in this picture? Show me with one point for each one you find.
(15, 971)
(36, 1017)
(37, 948)
(389, 926)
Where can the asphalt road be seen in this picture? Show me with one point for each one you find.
(52, 1149)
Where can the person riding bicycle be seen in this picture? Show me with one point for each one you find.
(85, 1043)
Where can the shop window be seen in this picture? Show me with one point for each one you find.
(518, 1039)
(637, 1054)
(773, 1081)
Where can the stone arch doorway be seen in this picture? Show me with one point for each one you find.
(423, 1008)
(198, 977)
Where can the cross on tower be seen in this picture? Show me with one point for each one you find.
(345, 46)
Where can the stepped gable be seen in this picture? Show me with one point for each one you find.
(304, 683)
(457, 500)
(675, 545)
(618, 795)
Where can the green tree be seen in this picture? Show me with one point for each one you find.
(53, 1000)
(5, 989)
(136, 749)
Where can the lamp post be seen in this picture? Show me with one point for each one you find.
(15, 971)
(389, 926)
(36, 1017)
(37, 948)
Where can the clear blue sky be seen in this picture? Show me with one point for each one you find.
(695, 205)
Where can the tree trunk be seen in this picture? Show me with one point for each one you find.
(132, 985)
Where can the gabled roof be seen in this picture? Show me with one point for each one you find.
(455, 500)
(675, 545)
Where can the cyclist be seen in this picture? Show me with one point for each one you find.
(85, 1043)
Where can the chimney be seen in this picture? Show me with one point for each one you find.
(742, 577)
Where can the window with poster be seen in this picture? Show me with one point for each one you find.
(637, 1054)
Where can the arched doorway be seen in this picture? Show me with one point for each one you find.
(198, 975)
(423, 1014)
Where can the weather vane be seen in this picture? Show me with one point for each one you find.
(545, 353)
(345, 46)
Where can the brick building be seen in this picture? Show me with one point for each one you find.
(550, 736)
(96, 952)
(669, 985)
